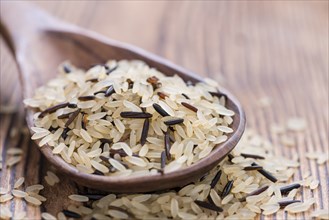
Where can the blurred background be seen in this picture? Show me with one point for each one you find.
(257, 48)
(273, 55)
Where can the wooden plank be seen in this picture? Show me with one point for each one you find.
(274, 49)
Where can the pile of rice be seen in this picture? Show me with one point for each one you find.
(126, 118)
(234, 189)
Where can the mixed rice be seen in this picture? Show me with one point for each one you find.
(251, 182)
(235, 189)
(126, 118)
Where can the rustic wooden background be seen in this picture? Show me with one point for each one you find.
(275, 50)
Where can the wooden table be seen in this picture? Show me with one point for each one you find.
(273, 51)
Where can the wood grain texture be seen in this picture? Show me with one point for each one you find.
(275, 49)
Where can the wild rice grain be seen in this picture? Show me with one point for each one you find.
(160, 110)
(63, 116)
(109, 91)
(167, 145)
(163, 159)
(86, 98)
(288, 188)
(249, 168)
(145, 130)
(215, 179)
(72, 105)
(67, 69)
(105, 140)
(256, 192)
(72, 117)
(189, 106)
(253, 156)
(108, 71)
(288, 202)
(135, 115)
(53, 109)
(174, 121)
(266, 174)
(209, 206)
(71, 214)
(185, 96)
(227, 188)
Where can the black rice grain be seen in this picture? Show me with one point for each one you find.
(203, 177)
(288, 202)
(130, 83)
(72, 105)
(86, 98)
(230, 157)
(266, 174)
(209, 206)
(160, 110)
(135, 115)
(174, 121)
(167, 145)
(189, 106)
(94, 80)
(63, 116)
(121, 152)
(72, 117)
(249, 168)
(109, 91)
(104, 158)
(105, 140)
(288, 188)
(227, 188)
(71, 214)
(215, 180)
(53, 109)
(99, 173)
(218, 94)
(185, 96)
(145, 131)
(108, 70)
(163, 159)
(252, 156)
(99, 92)
(254, 193)
(64, 133)
(67, 68)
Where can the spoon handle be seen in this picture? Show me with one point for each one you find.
(20, 22)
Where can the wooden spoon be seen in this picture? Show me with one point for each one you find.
(40, 43)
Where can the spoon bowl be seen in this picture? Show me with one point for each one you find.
(40, 43)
